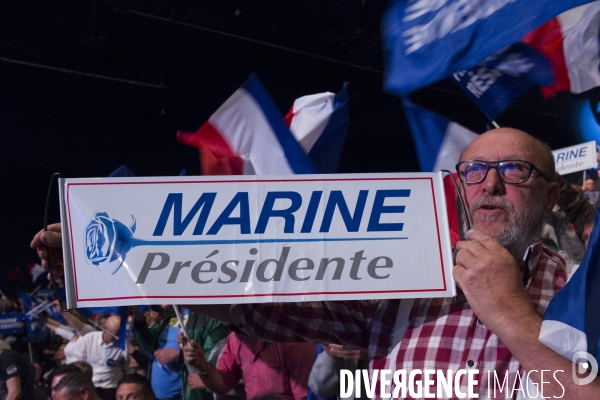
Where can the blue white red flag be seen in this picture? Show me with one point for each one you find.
(438, 141)
(501, 78)
(428, 40)
(319, 122)
(571, 322)
(571, 43)
(247, 136)
(439, 144)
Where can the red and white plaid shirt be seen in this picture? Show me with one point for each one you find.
(440, 334)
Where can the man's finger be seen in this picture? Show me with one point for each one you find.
(457, 272)
(481, 237)
(51, 239)
(53, 229)
(466, 258)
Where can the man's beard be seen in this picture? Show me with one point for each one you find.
(522, 228)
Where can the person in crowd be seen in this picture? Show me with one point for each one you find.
(324, 378)
(504, 273)
(16, 375)
(266, 368)
(138, 360)
(566, 225)
(74, 320)
(60, 372)
(154, 315)
(134, 387)
(75, 385)
(36, 373)
(168, 376)
(506, 276)
(7, 305)
(590, 191)
(101, 351)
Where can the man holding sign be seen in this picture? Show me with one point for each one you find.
(505, 274)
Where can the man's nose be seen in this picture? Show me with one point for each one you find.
(492, 184)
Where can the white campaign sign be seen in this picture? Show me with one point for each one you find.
(248, 239)
(575, 158)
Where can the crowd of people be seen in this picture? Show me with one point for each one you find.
(530, 230)
(158, 361)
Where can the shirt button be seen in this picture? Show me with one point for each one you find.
(470, 363)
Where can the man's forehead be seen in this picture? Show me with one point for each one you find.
(501, 144)
(129, 387)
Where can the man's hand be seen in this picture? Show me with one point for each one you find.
(49, 244)
(195, 382)
(193, 354)
(166, 356)
(338, 351)
(491, 280)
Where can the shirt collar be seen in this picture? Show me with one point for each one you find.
(530, 260)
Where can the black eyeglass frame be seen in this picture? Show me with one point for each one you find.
(495, 165)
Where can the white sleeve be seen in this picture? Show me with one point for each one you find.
(65, 332)
(324, 378)
(86, 329)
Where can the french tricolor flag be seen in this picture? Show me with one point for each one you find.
(571, 43)
(319, 122)
(439, 143)
(248, 136)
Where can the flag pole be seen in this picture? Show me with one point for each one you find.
(30, 352)
(35, 290)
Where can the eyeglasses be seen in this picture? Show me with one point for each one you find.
(509, 171)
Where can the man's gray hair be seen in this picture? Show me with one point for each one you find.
(74, 381)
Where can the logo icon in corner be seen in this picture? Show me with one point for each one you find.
(108, 240)
(584, 362)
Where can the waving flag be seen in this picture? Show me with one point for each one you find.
(571, 322)
(501, 78)
(121, 311)
(36, 329)
(439, 143)
(319, 122)
(571, 43)
(122, 171)
(247, 136)
(426, 41)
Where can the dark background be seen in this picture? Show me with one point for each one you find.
(86, 86)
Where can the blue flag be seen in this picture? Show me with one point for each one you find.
(426, 41)
(11, 323)
(121, 311)
(36, 328)
(55, 315)
(498, 80)
(122, 172)
(572, 320)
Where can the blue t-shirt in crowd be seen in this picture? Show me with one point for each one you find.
(166, 379)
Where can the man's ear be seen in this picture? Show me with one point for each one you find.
(553, 194)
